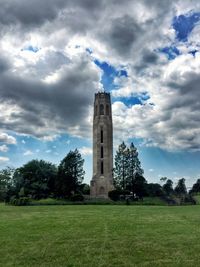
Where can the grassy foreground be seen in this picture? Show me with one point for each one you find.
(91, 236)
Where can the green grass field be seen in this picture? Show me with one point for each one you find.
(103, 236)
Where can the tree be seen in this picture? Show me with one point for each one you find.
(134, 167)
(5, 182)
(139, 186)
(127, 166)
(115, 194)
(35, 179)
(70, 174)
(196, 187)
(163, 179)
(121, 166)
(168, 187)
(155, 190)
(180, 189)
(84, 189)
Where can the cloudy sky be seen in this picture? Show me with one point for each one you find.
(55, 54)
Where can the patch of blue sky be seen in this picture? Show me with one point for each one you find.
(157, 162)
(31, 48)
(170, 51)
(130, 101)
(53, 151)
(109, 74)
(193, 52)
(134, 100)
(89, 50)
(184, 24)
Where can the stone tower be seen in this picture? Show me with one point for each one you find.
(102, 180)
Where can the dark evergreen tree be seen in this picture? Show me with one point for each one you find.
(180, 188)
(70, 174)
(127, 166)
(196, 187)
(134, 167)
(121, 167)
(168, 187)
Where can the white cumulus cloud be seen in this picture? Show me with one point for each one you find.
(8, 139)
(28, 153)
(85, 151)
(3, 148)
(3, 159)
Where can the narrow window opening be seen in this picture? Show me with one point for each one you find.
(96, 111)
(101, 135)
(101, 167)
(101, 109)
(107, 110)
(101, 152)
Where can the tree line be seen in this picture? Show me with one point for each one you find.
(129, 180)
(39, 179)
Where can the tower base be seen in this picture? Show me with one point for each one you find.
(100, 187)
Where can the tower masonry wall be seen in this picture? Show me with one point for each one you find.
(102, 180)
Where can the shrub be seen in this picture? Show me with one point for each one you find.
(114, 194)
(22, 201)
(77, 197)
(189, 199)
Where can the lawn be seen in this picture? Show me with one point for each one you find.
(103, 236)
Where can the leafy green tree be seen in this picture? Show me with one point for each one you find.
(168, 187)
(35, 179)
(196, 187)
(154, 190)
(139, 186)
(84, 189)
(180, 188)
(121, 166)
(5, 182)
(115, 194)
(70, 174)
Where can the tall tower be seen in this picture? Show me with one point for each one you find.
(102, 180)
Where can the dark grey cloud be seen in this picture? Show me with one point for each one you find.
(28, 13)
(24, 15)
(147, 59)
(123, 32)
(50, 107)
(127, 31)
(4, 64)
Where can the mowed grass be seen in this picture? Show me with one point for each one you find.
(103, 236)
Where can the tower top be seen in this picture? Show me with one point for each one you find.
(102, 95)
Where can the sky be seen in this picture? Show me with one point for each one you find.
(55, 55)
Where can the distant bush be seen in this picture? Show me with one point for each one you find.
(188, 199)
(52, 201)
(196, 198)
(77, 197)
(114, 194)
(151, 201)
(49, 201)
(22, 201)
